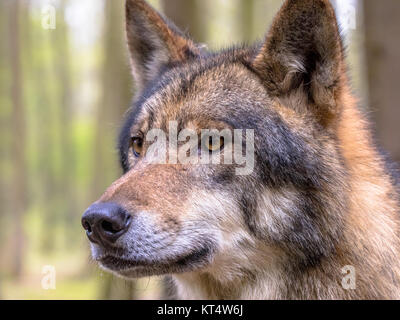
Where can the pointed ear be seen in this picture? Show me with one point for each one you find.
(303, 51)
(154, 43)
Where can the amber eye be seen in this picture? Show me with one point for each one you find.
(137, 146)
(216, 146)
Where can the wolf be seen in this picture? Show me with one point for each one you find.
(316, 218)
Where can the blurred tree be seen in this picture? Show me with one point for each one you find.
(115, 100)
(192, 16)
(118, 289)
(47, 107)
(19, 189)
(188, 15)
(246, 11)
(4, 120)
(63, 71)
(382, 25)
(264, 12)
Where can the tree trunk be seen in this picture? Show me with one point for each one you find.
(66, 189)
(188, 15)
(115, 98)
(47, 109)
(263, 14)
(18, 129)
(4, 129)
(382, 26)
(247, 19)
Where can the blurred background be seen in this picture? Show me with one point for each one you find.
(65, 84)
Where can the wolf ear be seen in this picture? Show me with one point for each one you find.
(154, 43)
(303, 51)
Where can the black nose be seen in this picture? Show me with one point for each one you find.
(105, 222)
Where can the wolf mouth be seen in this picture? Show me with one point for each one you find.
(195, 259)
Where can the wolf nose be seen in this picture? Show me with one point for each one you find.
(105, 222)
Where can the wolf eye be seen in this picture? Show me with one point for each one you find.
(217, 145)
(137, 146)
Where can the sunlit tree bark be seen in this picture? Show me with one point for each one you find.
(46, 110)
(4, 129)
(188, 15)
(66, 189)
(382, 26)
(247, 8)
(18, 128)
(115, 98)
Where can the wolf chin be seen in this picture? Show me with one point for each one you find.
(320, 197)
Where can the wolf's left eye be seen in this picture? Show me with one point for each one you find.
(137, 146)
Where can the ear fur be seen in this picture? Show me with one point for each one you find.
(303, 50)
(154, 43)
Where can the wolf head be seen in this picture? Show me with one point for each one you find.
(170, 217)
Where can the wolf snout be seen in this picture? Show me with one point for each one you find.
(105, 223)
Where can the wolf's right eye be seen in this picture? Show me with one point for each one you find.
(213, 146)
(137, 146)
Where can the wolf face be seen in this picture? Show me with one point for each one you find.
(204, 220)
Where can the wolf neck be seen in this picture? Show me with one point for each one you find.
(206, 287)
(372, 222)
(268, 284)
